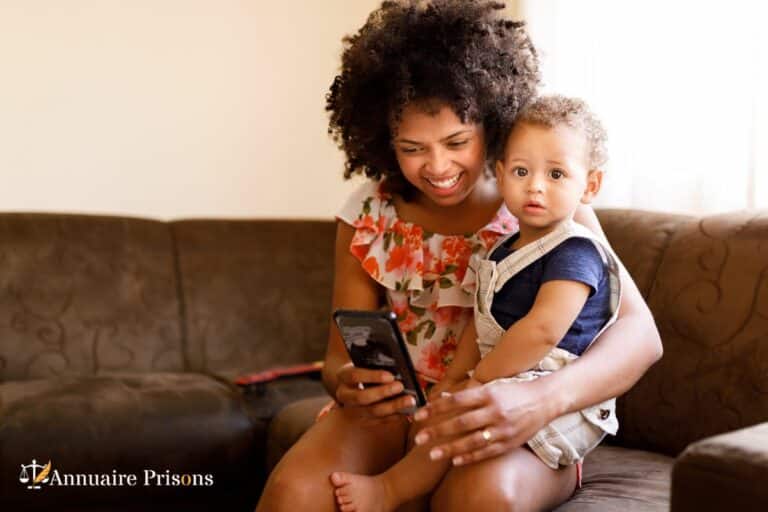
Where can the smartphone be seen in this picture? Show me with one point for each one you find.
(374, 341)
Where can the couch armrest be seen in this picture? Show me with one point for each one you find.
(724, 472)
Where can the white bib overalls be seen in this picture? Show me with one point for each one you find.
(569, 438)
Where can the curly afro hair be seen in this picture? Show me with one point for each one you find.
(461, 53)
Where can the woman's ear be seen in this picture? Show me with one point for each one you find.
(594, 182)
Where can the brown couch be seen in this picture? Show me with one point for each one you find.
(119, 339)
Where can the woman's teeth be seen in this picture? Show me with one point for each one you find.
(446, 183)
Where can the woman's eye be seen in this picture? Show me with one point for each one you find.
(520, 171)
(457, 143)
(556, 174)
(409, 150)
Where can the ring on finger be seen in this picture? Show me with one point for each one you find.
(487, 436)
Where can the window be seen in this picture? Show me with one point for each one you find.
(681, 87)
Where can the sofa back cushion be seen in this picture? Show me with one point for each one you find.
(86, 295)
(256, 294)
(710, 301)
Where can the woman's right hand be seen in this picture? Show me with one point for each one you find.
(373, 390)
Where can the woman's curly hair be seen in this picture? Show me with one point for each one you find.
(460, 53)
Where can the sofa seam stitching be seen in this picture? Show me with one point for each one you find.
(657, 265)
(181, 298)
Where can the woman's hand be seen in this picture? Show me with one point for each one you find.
(489, 420)
(370, 389)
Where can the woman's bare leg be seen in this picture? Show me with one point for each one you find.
(516, 481)
(405, 486)
(344, 440)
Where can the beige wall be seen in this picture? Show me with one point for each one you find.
(171, 108)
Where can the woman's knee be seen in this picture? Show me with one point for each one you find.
(292, 487)
(477, 495)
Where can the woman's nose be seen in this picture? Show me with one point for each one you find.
(438, 163)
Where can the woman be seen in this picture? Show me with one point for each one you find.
(424, 91)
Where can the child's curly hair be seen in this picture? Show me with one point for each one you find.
(553, 110)
(461, 53)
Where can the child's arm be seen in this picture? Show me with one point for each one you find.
(557, 305)
(466, 357)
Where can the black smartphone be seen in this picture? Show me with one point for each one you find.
(374, 341)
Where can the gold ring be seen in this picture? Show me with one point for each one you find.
(487, 436)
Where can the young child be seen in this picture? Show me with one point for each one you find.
(542, 296)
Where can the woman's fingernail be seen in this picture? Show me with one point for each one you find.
(420, 438)
(436, 453)
(457, 460)
(421, 414)
(396, 387)
(388, 377)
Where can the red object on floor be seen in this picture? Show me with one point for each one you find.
(279, 372)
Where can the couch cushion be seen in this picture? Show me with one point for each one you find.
(256, 293)
(185, 423)
(622, 479)
(710, 301)
(640, 239)
(85, 295)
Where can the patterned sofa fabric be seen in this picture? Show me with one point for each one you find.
(83, 295)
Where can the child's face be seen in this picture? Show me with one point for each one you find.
(544, 175)
(438, 154)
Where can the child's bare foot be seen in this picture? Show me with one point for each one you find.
(361, 493)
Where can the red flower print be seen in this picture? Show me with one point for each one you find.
(371, 266)
(447, 315)
(399, 257)
(456, 253)
(406, 318)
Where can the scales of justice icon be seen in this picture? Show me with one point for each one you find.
(37, 478)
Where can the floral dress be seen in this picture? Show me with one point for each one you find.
(422, 273)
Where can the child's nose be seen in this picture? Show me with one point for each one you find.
(535, 184)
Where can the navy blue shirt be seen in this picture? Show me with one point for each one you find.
(576, 259)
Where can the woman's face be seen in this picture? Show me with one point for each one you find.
(438, 154)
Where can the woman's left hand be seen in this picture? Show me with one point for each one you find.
(489, 420)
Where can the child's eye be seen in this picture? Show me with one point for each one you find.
(520, 171)
(556, 174)
(457, 143)
(409, 150)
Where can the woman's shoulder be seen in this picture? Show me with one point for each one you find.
(368, 199)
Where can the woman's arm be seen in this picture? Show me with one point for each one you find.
(353, 288)
(621, 355)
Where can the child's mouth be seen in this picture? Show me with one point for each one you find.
(533, 207)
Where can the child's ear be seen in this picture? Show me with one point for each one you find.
(499, 170)
(594, 182)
